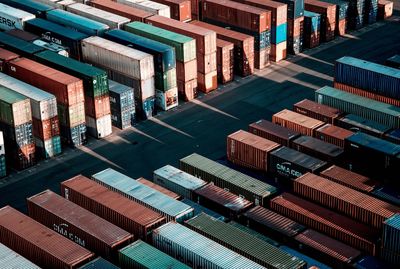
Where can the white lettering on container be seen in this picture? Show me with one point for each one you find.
(63, 230)
(281, 168)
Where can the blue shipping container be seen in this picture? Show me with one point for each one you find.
(79, 23)
(278, 33)
(391, 234)
(145, 109)
(371, 11)
(33, 7)
(312, 21)
(369, 262)
(387, 194)
(295, 8)
(342, 8)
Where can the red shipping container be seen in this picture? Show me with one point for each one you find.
(180, 9)
(326, 221)
(278, 10)
(187, 90)
(367, 94)
(345, 200)
(273, 132)
(243, 47)
(297, 122)
(385, 9)
(97, 107)
(186, 71)
(206, 63)
(328, 17)
(46, 129)
(350, 179)
(207, 82)
(159, 188)
(78, 224)
(114, 207)
(261, 58)
(38, 243)
(22, 157)
(225, 61)
(67, 89)
(134, 14)
(295, 27)
(333, 134)
(312, 40)
(278, 52)
(6, 56)
(317, 111)
(243, 16)
(341, 27)
(249, 150)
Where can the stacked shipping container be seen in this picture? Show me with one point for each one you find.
(390, 240)
(3, 169)
(328, 17)
(297, 122)
(122, 104)
(13, 18)
(273, 132)
(385, 9)
(129, 12)
(225, 61)
(342, 9)
(312, 26)
(149, 6)
(179, 9)
(12, 259)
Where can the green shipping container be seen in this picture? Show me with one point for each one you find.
(165, 81)
(95, 80)
(140, 255)
(185, 47)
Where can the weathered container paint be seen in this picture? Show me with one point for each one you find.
(132, 13)
(19, 46)
(166, 100)
(5, 57)
(99, 127)
(295, 8)
(356, 123)
(12, 18)
(159, 188)
(225, 61)
(328, 17)
(317, 111)
(122, 105)
(179, 9)
(99, 263)
(31, 6)
(312, 28)
(333, 134)
(297, 122)
(273, 132)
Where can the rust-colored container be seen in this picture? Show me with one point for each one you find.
(46, 129)
(207, 82)
(225, 61)
(78, 224)
(206, 63)
(180, 9)
(5, 57)
(38, 243)
(271, 224)
(345, 200)
(249, 150)
(159, 188)
(221, 201)
(333, 134)
(243, 47)
(187, 90)
(195, 5)
(297, 122)
(341, 26)
(350, 179)
(278, 52)
(385, 9)
(278, 10)
(67, 89)
(317, 111)
(327, 249)
(326, 221)
(186, 71)
(295, 27)
(328, 17)
(129, 12)
(114, 207)
(242, 16)
(22, 157)
(261, 58)
(313, 40)
(367, 94)
(97, 107)
(273, 132)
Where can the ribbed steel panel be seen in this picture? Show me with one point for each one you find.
(317, 111)
(134, 14)
(134, 190)
(295, 8)
(333, 134)
(311, 263)
(15, 108)
(198, 209)
(12, 18)
(23, 48)
(387, 194)
(224, 177)
(31, 6)
(149, 6)
(297, 122)
(10, 259)
(391, 234)
(356, 123)
(159, 188)
(177, 241)
(252, 232)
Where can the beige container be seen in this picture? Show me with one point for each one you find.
(149, 6)
(297, 122)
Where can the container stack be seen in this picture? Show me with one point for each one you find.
(149, 6)
(185, 51)
(129, 12)
(328, 17)
(390, 251)
(342, 8)
(355, 17)
(385, 9)
(46, 128)
(68, 91)
(179, 9)
(122, 104)
(235, 15)
(297, 122)
(225, 61)
(371, 11)
(3, 169)
(312, 26)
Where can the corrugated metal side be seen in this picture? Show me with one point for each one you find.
(99, 263)
(317, 111)
(297, 122)
(391, 234)
(11, 259)
(159, 188)
(333, 134)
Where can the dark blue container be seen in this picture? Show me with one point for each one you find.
(79, 23)
(278, 33)
(145, 109)
(21, 135)
(74, 136)
(393, 136)
(391, 234)
(356, 123)
(3, 167)
(33, 7)
(369, 262)
(19, 46)
(53, 32)
(123, 119)
(295, 8)
(393, 61)
(355, 15)
(122, 104)
(99, 263)
(387, 194)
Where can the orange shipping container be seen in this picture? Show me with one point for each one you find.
(249, 150)
(159, 188)
(180, 9)
(328, 17)
(297, 122)
(129, 12)
(207, 82)
(278, 52)
(6, 56)
(385, 9)
(278, 10)
(206, 63)
(225, 61)
(332, 134)
(317, 111)
(38, 243)
(186, 71)
(261, 58)
(46, 129)
(97, 107)
(341, 27)
(187, 90)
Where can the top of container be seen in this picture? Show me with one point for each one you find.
(223, 44)
(98, 13)
(378, 68)
(99, 263)
(222, 31)
(316, 107)
(335, 131)
(201, 209)
(58, 29)
(149, 257)
(182, 25)
(11, 259)
(374, 143)
(179, 177)
(18, 33)
(251, 232)
(340, 3)
(159, 188)
(9, 96)
(239, 6)
(319, 145)
(29, 6)
(362, 123)
(318, 3)
(119, 88)
(298, 118)
(311, 14)
(7, 55)
(394, 58)
(16, 13)
(121, 8)
(275, 129)
(311, 263)
(19, 45)
(394, 221)
(254, 140)
(298, 158)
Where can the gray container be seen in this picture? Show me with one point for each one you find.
(10, 259)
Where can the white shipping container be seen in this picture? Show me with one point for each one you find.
(125, 60)
(149, 6)
(142, 89)
(168, 99)
(112, 20)
(177, 181)
(9, 259)
(2, 150)
(12, 18)
(100, 127)
(43, 104)
(64, 4)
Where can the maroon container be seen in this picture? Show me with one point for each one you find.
(46, 129)
(326, 221)
(350, 179)
(333, 134)
(345, 200)
(221, 201)
(328, 17)
(5, 57)
(180, 9)
(207, 63)
(187, 90)
(38, 243)
(278, 10)
(134, 14)
(112, 206)
(78, 224)
(225, 61)
(159, 188)
(317, 111)
(273, 132)
(207, 82)
(97, 107)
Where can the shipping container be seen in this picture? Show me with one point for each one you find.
(342, 10)
(243, 243)
(317, 111)
(367, 262)
(312, 29)
(328, 17)
(52, 47)
(392, 136)
(253, 233)
(357, 205)
(167, 100)
(24, 35)
(3, 167)
(326, 221)
(142, 255)
(78, 224)
(21, 157)
(31, 6)
(326, 249)
(289, 164)
(229, 179)
(177, 240)
(249, 150)
(371, 11)
(15, 108)
(350, 103)
(297, 122)
(278, 51)
(159, 188)
(295, 8)
(97, 107)
(188, 90)
(149, 6)
(48, 148)
(99, 127)
(356, 123)
(391, 257)
(134, 14)
(122, 105)
(225, 61)
(333, 134)
(99, 263)
(295, 34)
(385, 9)
(198, 209)
(46, 129)
(391, 234)
(38, 243)
(64, 3)
(19, 135)
(111, 206)
(179, 9)
(355, 15)
(311, 263)
(11, 259)
(393, 61)
(12, 18)
(18, 46)
(5, 57)
(178, 181)
(140, 193)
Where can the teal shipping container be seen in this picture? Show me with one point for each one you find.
(278, 33)
(18, 46)
(31, 6)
